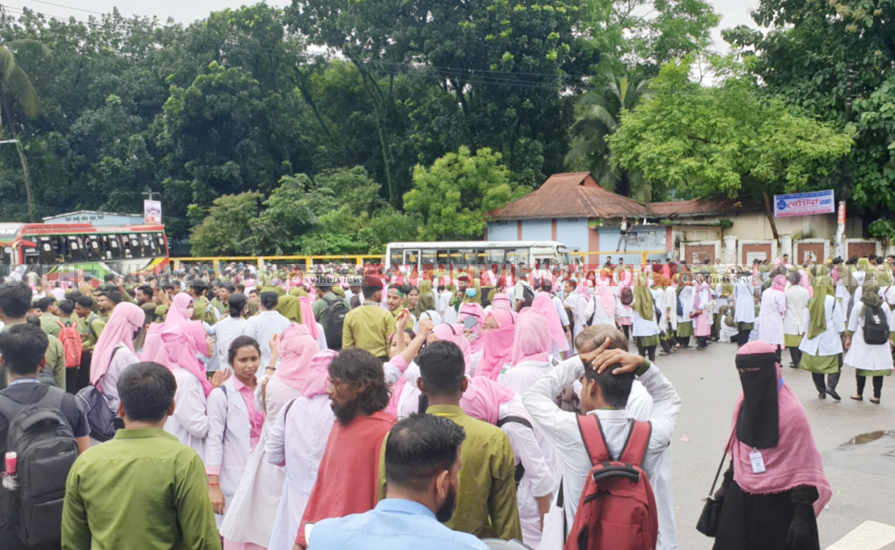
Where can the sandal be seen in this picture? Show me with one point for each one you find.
(858, 397)
(874, 400)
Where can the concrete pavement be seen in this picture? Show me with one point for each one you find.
(853, 438)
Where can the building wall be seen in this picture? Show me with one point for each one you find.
(98, 219)
(502, 231)
(572, 232)
(755, 226)
(641, 238)
(536, 230)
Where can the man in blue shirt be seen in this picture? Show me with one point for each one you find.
(422, 466)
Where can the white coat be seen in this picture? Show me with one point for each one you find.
(189, 423)
(862, 355)
(228, 444)
(744, 293)
(520, 377)
(669, 308)
(773, 306)
(828, 342)
(641, 326)
(601, 317)
(796, 305)
(578, 304)
(297, 441)
(250, 515)
(686, 298)
(108, 383)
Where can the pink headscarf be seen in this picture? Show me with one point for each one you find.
(476, 311)
(454, 333)
(544, 304)
(795, 461)
(318, 374)
(607, 298)
(177, 345)
(502, 302)
(126, 319)
(483, 398)
(698, 305)
(805, 282)
(582, 288)
(296, 349)
(177, 312)
(498, 345)
(779, 283)
(307, 315)
(532, 339)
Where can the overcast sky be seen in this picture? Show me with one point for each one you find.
(733, 12)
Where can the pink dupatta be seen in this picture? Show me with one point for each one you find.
(126, 319)
(297, 348)
(497, 345)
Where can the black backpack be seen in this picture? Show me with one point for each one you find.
(46, 449)
(95, 405)
(528, 295)
(876, 326)
(333, 320)
(680, 307)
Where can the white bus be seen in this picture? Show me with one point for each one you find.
(467, 253)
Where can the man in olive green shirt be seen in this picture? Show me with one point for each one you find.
(49, 316)
(369, 326)
(486, 502)
(143, 489)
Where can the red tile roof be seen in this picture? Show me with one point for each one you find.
(571, 195)
(577, 195)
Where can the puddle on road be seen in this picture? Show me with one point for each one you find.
(863, 439)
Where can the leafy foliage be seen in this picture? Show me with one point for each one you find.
(226, 228)
(455, 193)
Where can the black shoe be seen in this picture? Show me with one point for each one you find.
(700, 348)
(833, 394)
(822, 395)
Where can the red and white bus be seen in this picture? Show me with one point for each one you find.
(56, 249)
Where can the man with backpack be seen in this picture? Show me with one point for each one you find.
(614, 447)
(31, 515)
(330, 311)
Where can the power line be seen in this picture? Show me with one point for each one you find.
(67, 7)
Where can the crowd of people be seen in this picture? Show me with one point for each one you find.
(350, 408)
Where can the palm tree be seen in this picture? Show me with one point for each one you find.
(15, 85)
(598, 112)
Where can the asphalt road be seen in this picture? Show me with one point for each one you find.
(860, 472)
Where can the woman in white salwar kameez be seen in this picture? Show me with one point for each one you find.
(869, 360)
(297, 441)
(530, 358)
(773, 307)
(250, 515)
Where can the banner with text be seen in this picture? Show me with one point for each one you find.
(152, 212)
(804, 204)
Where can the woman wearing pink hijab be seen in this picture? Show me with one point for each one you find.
(474, 334)
(114, 350)
(297, 442)
(498, 333)
(775, 487)
(531, 352)
(805, 282)
(544, 303)
(491, 402)
(250, 515)
(603, 305)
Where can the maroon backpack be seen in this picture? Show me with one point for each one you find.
(617, 509)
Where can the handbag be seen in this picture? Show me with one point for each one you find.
(710, 517)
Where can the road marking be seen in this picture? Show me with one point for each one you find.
(870, 535)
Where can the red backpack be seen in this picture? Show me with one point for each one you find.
(617, 509)
(71, 343)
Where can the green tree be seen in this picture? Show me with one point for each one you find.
(725, 141)
(16, 89)
(225, 228)
(454, 195)
(598, 112)
(836, 61)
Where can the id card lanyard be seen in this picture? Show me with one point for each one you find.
(755, 457)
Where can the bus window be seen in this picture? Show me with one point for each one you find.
(397, 257)
(443, 258)
(472, 257)
(522, 256)
(148, 245)
(111, 247)
(92, 251)
(48, 250)
(455, 257)
(497, 256)
(429, 257)
(160, 239)
(74, 253)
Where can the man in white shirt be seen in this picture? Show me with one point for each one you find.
(606, 396)
(263, 326)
